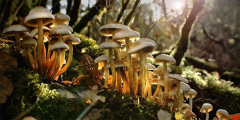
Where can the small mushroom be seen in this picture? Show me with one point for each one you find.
(104, 59)
(222, 114)
(188, 115)
(191, 94)
(206, 108)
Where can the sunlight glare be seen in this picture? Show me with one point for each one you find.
(178, 5)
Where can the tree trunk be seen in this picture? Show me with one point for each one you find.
(74, 12)
(95, 10)
(130, 15)
(124, 6)
(55, 6)
(184, 41)
(43, 3)
(69, 6)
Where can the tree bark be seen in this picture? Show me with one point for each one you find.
(74, 12)
(184, 41)
(124, 6)
(69, 6)
(55, 6)
(130, 15)
(43, 3)
(95, 10)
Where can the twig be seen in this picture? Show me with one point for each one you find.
(3, 11)
(55, 5)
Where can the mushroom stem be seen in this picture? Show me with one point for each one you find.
(190, 103)
(207, 114)
(39, 46)
(51, 67)
(69, 60)
(166, 89)
(117, 59)
(30, 59)
(129, 68)
(35, 58)
(125, 80)
(106, 71)
(17, 39)
(27, 57)
(43, 58)
(141, 74)
(54, 74)
(147, 89)
(135, 78)
(176, 97)
(112, 68)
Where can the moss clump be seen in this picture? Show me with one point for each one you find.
(123, 107)
(38, 99)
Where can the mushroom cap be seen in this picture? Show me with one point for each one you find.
(184, 86)
(46, 31)
(29, 41)
(75, 40)
(173, 91)
(52, 41)
(126, 33)
(24, 34)
(116, 64)
(163, 57)
(147, 40)
(191, 93)
(36, 13)
(58, 30)
(146, 47)
(206, 107)
(109, 44)
(101, 58)
(170, 102)
(59, 45)
(178, 77)
(223, 113)
(109, 29)
(150, 66)
(188, 114)
(62, 25)
(29, 118)
(185, 106)
(61, 18)
(159, 70)
(14, 28)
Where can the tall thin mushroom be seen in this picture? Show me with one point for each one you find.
(38, 17)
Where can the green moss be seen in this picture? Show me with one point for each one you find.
(43, 102)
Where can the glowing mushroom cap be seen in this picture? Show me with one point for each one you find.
(61, 18)
(126, 33)
(11, 30)
(101, 58)
(109, 44)
(150, 66)
(46, 31)
(189, 114)
(29, 41)
(221, 113)
(59, 45)
(163, 57)
(36, 13)
(191, 93)
(206, 107)
(178, 77)
(62, 25)
(184, 86)
(109, 29)
(70, 38)
(146, 47)
(29, 118)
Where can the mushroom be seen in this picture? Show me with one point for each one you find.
(28, 43)
(222, 114)
(69, 40)
(164, 59)
(104, 59)
(185, 108)
(60, 18)
(38, 17)
(188, 115)
(15, 30)
(128, 35)
(191, 94)
(59, 47)
(110, 45)
(142, 47)
(206, 108)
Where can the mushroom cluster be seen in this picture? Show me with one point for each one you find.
(44, 46)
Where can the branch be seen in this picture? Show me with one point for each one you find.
(124, 6)
(69, 5)
(95, 10)
(130, 15)
(74, 12)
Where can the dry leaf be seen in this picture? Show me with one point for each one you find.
(6, 88)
